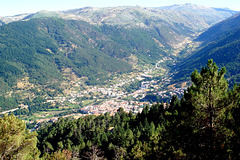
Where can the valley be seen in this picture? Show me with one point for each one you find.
(125, 82)
(131, 91)
(94, 60)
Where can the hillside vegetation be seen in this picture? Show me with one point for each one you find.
(92, 42)
(40, 48)
(204, 124)
(221, 43)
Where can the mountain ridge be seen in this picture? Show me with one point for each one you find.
(83, 39)
(171, 22)
(177, 7)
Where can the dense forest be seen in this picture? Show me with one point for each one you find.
(203, 124)
(41, 48)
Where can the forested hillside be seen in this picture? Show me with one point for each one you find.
(221, 43)
(40, 48)
(204, 124)
(51, 65)
(221, 29)
(92, 42)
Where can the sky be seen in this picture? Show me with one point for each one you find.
(14, 7)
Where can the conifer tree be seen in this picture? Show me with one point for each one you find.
(15, 141)
(207, 95)
(208, 92)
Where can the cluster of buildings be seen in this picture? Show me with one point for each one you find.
(114, 96)
(112, 106)
(169, 93)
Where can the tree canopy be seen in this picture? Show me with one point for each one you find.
(15, 141)
(203, 124)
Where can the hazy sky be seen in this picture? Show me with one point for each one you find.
(13, 7)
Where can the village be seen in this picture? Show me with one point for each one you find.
(96, 100)
(82, 100)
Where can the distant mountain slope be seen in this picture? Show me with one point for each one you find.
(222, 44)
(189, 7)
(174, 22)
(221, 29)
(1, 23)
(92, 42)
(10, 19)
(40, 48)
(208, 14)
(168, 23)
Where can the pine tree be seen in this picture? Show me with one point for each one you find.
(207, 95)
(15, 141)
(233, 122)
(208, 92)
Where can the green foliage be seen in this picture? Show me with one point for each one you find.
(59, 155)
(39, 48)
(7, 103)
(220, 43)
(15, 141)
(208, 95)
(208, 92)
(219, 30)
(133, 86)
(204, 124)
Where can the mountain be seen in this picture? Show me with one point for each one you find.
(40, 48)
(189, 7)
(208, 14)
(10, 19)
(91, 42)
(220, 29)
(220, 43)
(169, 23)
